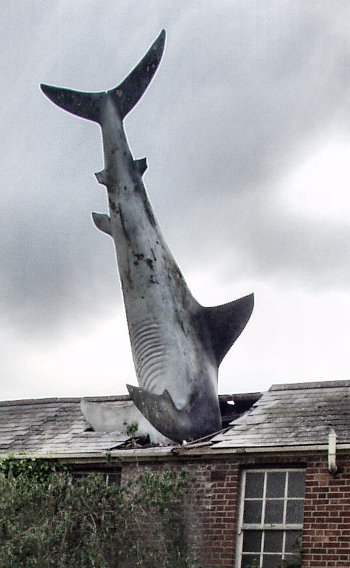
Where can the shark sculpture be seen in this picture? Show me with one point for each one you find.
(177, 344)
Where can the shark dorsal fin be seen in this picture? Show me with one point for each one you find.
(225, 323)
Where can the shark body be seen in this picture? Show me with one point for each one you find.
(177, 344)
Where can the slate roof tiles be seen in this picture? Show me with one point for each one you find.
(293, 414)
(52, 427)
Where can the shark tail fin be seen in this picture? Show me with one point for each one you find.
(225, 323)
(85, 105)
(129, 92)
(125, 95)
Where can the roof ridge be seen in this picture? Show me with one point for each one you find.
(58, 400)
(310, 385)
(108, 398)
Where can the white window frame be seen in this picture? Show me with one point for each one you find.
(263, 527)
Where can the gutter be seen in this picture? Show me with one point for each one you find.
(180, 452)
(261, 450)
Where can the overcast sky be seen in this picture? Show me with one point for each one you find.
(246, 129)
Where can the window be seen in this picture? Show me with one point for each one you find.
(110, 474)
(271, 518)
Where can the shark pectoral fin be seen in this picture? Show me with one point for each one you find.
(102, 222)
(159, 409)
(200, 417)
(141, 165)
(161, 412)
(226, 322)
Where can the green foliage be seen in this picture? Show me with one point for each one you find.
(131, 428)
(163, 494)
(37, 470)
(47, 519)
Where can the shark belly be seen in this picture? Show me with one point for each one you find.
(159, 307)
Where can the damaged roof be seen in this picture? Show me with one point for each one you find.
(56, 427)
(292, 415)
(53, 426)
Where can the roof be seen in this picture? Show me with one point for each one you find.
(53, 426)
(292, 415)
(56, 427)
(288, 416)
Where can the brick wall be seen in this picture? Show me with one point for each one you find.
(326, 541)
(212, 510)
(215, 531)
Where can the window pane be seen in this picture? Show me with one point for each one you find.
(273, 503)
(274, 511)
(276, 482)
(295, 511)
(296, 484)
(250, 561)
(273, 541)
(292, 560)
(293, 541)
(252, 511)
(272, 561)
(254, 484)
(252, 541)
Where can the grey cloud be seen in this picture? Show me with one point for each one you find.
(241, 133)
(241, 87)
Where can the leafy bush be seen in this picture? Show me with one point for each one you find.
(48, 520)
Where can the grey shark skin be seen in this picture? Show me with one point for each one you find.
(177, 344)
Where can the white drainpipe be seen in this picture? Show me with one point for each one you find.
(332, 447)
